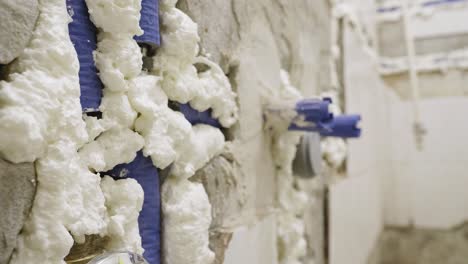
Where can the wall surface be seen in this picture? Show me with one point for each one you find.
(427, 188)
(254, 244)
(440, 38)
(389, 182)
(430, 186)
(356, 202)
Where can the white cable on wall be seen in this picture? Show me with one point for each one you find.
(418, 128)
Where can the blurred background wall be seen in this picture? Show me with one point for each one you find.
(391, 184)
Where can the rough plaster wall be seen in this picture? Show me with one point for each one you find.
(17, 191)
(253, 40)
(356, 203)
(299, 31)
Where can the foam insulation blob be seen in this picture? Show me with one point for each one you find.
(187, 217)
(145, 173)
(39, 100)
(116, 17)
(124, 200)
(119, 59)
(185, 205)
(176, 60)
(41, 120)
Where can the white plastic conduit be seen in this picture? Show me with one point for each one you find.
(418, 127)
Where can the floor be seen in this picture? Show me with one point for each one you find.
(423, 246)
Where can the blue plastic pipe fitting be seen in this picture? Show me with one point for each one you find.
(344, 126)
(313, 115)
(310, 113)
(315, 110)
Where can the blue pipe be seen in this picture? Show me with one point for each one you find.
(195, 117)
(146, 174)
(149, 22)
(345, 126)
(313, 115)
(83, 36)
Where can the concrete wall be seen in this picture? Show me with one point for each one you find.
(356, 205)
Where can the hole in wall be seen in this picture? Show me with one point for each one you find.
(97, 114)
(173, 105)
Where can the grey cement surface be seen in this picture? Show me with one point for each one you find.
(422, 246)
(17, 21)
(17, 190)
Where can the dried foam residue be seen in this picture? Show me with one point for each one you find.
(290, 225)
